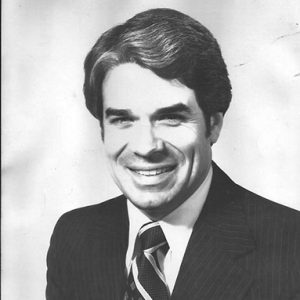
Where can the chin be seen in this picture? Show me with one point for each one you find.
(148, 203)
(153, 206)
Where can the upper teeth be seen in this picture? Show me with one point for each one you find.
(152, 172)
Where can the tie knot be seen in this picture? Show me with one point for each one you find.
(151, 237)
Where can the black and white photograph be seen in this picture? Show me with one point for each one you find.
(150, 150)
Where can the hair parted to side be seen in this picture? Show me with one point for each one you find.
(170, 44)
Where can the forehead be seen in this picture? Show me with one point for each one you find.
(129, 86)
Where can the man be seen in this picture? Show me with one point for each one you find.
(182, 229)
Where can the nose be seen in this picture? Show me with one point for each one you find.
(146, 142)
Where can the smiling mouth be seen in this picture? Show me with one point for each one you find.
(153, 172)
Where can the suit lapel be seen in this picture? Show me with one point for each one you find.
(220, 242)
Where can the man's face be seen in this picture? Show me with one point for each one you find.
(155, 138)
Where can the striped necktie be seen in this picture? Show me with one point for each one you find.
(145, 279)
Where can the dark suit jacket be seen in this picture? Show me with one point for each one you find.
(242, 247)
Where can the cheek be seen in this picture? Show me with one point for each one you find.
(114, 141)
(184, 138)
(194, 148)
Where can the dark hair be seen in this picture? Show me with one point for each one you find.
(170, 44)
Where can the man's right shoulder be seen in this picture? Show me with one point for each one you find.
(112, 206)
(85, 219)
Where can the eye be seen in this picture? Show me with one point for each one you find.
(121, 121)
(171, 119)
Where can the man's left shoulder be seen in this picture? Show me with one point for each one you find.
(269, 218)
(257, 208)
(257, 205)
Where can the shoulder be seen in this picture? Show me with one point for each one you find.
(112, 206)
(269, 222)
(266, 211)
(82, 222)
(254, 206)
(274, 227)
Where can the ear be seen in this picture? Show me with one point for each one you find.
(216, 123)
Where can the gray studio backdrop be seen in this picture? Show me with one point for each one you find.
(52, 152)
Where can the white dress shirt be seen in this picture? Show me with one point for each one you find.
(177, 228)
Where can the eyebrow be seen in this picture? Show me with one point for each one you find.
(176, 108)
(109, 112)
